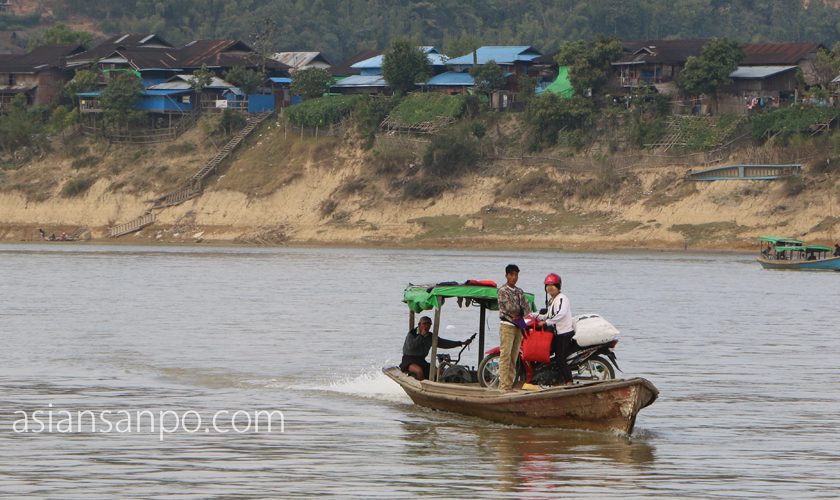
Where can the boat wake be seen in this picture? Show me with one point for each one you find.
(371, 383)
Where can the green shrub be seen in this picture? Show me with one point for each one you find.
(392, 159)
(548, 114)
(425, 188)
(322, 111)
(790, 120)
(368, 115)
(607, 181)
(231, 120)
(794, 185)
(77, 186)
(428, 107)
(450, 155)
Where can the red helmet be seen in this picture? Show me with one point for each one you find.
(553, 279)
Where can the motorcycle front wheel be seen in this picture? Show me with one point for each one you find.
(595, 368)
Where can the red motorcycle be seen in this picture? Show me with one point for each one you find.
(592, 363)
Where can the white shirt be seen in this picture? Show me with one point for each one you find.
(559, 314)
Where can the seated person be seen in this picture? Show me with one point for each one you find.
(837, 249)
(416, 347)
(766, 252)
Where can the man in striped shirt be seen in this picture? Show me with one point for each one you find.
(513, 306)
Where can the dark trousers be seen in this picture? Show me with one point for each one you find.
(562, 345)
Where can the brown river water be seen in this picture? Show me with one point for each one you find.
(746, 361)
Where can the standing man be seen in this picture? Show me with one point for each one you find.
(513, 306)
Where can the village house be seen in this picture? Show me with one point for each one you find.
(39, 75)
(369, 79)
(515, 61)
(652, 64)
(165, 72)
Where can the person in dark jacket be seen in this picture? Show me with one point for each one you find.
(416, 347)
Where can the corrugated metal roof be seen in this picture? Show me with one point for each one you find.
(452, 78)
(346, 68)
(502, 54)
(660, 51)
(280, 79)
(299, 59)
(758, 54)
(38, 59)
(151, 92)
(750, 72)
(362, 81)
(435, 59)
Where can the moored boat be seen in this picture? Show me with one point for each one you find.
(789, 253)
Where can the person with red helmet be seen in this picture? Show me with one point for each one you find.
(558, 318)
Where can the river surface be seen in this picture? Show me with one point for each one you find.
(746, 361)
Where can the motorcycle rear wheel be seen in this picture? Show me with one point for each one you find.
(488, 371)
(595, 368)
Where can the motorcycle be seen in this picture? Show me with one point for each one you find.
(591, 363)
(450, 371)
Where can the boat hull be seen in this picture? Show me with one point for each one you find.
(610, 406)
(831, 264)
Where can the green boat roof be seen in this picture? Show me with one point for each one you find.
(778, 240)
(807, 248)
(424, 297)
(818, 248)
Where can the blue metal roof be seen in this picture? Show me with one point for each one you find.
(95, 93)
(502, 54)
(452, 78)
(375, 62)
(277, 79)
(362, 81)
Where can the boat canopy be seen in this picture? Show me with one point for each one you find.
(777, 240)
(808, 248)
(817, 248)
(424, 297)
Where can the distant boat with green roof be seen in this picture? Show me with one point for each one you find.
(790, 253)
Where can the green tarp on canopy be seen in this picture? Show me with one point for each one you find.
(776, 240)
(424, 298)
(561, 85)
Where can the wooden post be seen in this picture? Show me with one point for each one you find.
(410, 320)
(481, 319)
(433, 368)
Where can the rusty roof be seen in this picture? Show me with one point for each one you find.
(762, 54)
(660, 51)
(127, 41)
(225, 54)
(39, 59)
(345, 69)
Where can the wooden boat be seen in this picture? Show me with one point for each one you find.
(609, 406)
(788, 253)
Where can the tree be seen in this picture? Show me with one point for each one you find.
(590, 64)
(548, 114)
(403, 65)
(60, 34)
(19, 126)
(311, 82)
(118, 100)
(247, 80)
(200, 79)
(827, 64)
(708, 72)
(488, 77)
(83, 81)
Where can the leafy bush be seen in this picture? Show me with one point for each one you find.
(231, 120)
(607, 181)
(428, 107)
(425, 188)
(368, 115)
(548, 114)
(794, 185)
(392, 159)
(790, 120)
(322, 111)
(450, 155)
(77, 186)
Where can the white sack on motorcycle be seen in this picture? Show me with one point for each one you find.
(591, 329)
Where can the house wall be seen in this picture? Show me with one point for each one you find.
(163, 104)
(50, 85)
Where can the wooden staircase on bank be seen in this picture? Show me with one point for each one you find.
(193, 188)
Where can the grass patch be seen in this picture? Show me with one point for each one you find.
(77, 186)
(427, 107)
(710, 231)
(670, 189)
(84, 162)
(179, 149)
(322, 111)
(425, 188)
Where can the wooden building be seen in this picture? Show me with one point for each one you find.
(39, 75)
